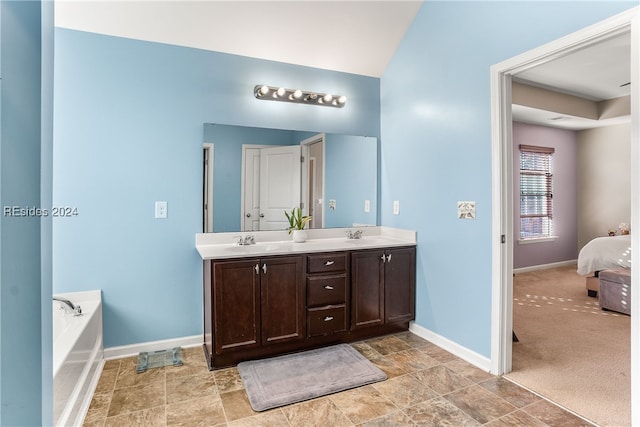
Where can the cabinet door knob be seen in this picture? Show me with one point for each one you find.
(329, 263)
(383, 258)
(264, 268)
(389, 258)
(328, 287)
(257, 268)
(328, 318)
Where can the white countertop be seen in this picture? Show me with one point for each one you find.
(223, 245)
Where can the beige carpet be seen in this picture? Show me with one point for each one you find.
(570, 350)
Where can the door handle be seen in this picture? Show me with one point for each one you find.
(248, 215)
(261, 215)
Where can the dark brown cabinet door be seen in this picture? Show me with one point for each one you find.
(399, 284)
(236, 301)
(283, 299)
(367, 289)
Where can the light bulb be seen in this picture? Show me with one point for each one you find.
(264, 90)
(297, 94)
(342, 99)
(281, 91)
(328, 97)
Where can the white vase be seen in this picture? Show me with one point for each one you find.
(299, 236)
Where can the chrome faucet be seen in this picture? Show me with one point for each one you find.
(249, 239)
(68, 306)
(354, 234)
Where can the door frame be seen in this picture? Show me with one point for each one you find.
(502, 184)
(207, 204)
(304, 196)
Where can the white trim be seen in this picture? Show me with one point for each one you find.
(242, 172)
(545, 266)
(502, 220)
(537, 240)
(209, 185)
(134, 349)
(464, 353)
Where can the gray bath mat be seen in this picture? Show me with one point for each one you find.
(155, 359)
(291, 378)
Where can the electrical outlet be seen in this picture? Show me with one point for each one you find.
(367, 206)
(161, 209)
(332, 204)
(396, 207)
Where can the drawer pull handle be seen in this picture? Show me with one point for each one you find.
(257, 268)
(328, 287)
(328, 263)
(328, 318)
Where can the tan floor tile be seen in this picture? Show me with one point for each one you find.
(366, 350)
(517, 418)
(394, 419)
(107, 381)
(111, 364)
(405, 391)
(553, 415)
(439, 412)
(236, 405)
(480, 404)
(274, 418)
(153, 417)
(510, 392)
(387, 344)
(193, 363)
(412, 339)
(438, 353)
(467, 370)
(389, 367)
(128, 377)
(363, 404)
(137, 398)
(442, 379)
(98, 408)
(188, 387)
(315, 413)
(228, 380)
(412, 360)
(201, 411)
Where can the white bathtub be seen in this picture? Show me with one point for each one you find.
(77, 356)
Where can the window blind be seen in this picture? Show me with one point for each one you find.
(536, 192)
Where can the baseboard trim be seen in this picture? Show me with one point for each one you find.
(545, 266)
(134, 349)
(464, 353)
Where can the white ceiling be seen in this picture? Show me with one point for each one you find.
(353, 36)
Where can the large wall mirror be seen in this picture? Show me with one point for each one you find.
(253, 175)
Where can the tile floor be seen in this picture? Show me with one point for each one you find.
(427, 386)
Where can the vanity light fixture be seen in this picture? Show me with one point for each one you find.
(271, 93)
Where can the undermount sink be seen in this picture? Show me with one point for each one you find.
(367, 240)
(258, 247)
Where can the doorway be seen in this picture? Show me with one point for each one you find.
(502, 206)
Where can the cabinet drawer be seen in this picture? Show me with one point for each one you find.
(327, 320)
(325, 290)
(325, 263)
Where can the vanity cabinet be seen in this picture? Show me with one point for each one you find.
(382, 287)
(252, 303)
(258, 307)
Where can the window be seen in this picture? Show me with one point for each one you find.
(536, 192)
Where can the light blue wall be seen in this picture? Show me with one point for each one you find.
(436, 145)
(128, 130)
(24, 330)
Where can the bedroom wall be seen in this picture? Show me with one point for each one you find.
(564, 196)
(604, 192)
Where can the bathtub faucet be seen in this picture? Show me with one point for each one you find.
(68, 306)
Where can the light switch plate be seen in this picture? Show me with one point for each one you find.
(332, 204)
(396, 207)
(467, 210)
(367, 206)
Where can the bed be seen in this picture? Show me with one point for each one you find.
(604, 253)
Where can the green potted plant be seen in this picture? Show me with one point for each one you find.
(297, 221)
